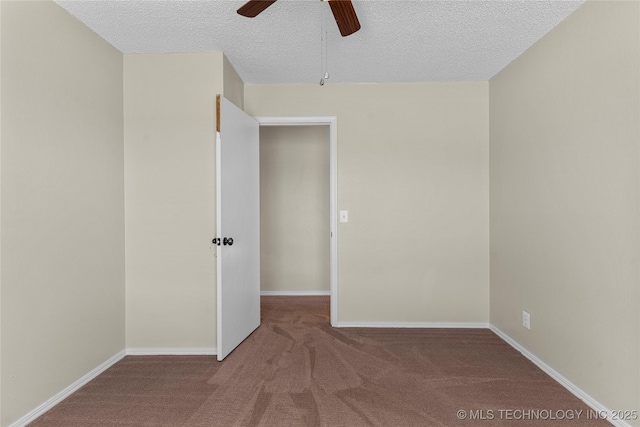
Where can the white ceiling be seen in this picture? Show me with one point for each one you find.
(400, 41)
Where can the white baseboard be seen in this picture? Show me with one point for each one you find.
(571, 387)
(425, 325)
(294, 293)
(60, 396)
(172, 351)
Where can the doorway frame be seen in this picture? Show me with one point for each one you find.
(332, 122)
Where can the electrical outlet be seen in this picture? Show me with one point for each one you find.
(526, 320)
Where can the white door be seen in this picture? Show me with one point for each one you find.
(238, 225)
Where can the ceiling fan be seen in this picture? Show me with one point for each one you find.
(343, 12)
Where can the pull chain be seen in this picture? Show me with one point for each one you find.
(326, 56)
(323, 53)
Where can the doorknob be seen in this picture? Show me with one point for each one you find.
(226, 241)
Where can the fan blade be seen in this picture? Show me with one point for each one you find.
(253, 8)
(345, 15)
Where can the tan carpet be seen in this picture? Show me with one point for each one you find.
(295, 370)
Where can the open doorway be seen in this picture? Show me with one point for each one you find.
(298, 207)
(294, 210)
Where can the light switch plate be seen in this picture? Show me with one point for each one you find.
(344, 216)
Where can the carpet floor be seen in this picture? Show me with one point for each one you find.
(296, 370)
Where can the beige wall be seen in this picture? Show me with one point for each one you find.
(169, 107)
(294, 208)
(413, 173)
(233, 86)
(62, 204)
(565, 137)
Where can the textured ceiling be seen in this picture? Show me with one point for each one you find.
(400, 41)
